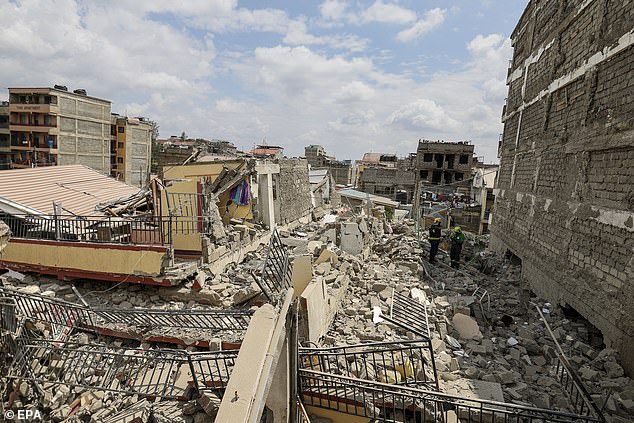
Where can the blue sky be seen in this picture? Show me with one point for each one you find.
(354, 76)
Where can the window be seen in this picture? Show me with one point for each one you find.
(459, 176)
(424, 174)
(119, 159)
(464, 159)
(47, 99)
(428, 157)
(120, 145)
(121, 129)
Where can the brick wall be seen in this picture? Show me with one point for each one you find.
(293, 190)
(565, 204)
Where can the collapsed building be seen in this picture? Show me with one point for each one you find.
(564, 194)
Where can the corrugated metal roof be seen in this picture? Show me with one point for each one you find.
(317, 175)
(78, 188)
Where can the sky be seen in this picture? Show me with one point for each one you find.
(353, 76)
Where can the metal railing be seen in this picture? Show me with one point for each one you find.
(384, 402)
(569, 380)
(8, 318)
(276, 273)
(408, 363)
(146, 230)
(64, 313)
(156, 373)
(98, 229)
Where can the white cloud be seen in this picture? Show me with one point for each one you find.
(433, 19)
(423, 114)
(354, 91)
(387, 13)
(333, 9)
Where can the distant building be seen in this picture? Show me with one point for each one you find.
(130, 149)
(341, 170)
(445, 166)
(267, 152)
(387, 175)
(51, 126)
(5, 136)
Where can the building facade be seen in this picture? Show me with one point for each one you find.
(446, 164)
(52, 126)
(130, 149)
(341, 170)
(5, 136)
(565, 192)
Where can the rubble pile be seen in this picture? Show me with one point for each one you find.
(489, 340)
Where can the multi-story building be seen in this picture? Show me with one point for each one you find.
(130, 149)
(387, 175)
(565, 200)
(445, 164)
(51, 126)
(341, 170)
(5, 136)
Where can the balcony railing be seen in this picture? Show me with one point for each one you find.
(152, 230)
(38, 124)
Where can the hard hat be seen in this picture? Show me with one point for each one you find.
(457, 229)
(437, 220)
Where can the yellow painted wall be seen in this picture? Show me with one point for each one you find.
(194, 174)
(336, 416)
(142, 262)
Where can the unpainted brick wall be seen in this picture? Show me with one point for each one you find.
(293, 190)
(566, 199)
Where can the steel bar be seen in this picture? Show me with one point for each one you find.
(569, 380)
(396, 403)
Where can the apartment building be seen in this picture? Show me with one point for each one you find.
(5, 135)
(130, 149)
(341, 170)
(52, 126)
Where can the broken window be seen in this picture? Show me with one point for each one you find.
(464, 159)
(450, 161)
(440, 160)
(436, 177)
(459, 176)
(428, 157)
(424, 174)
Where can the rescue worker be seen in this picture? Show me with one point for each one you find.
(457, 239)
(435, 232)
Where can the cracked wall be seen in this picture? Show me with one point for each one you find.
(565, 204)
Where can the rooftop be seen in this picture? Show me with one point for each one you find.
(78, 188)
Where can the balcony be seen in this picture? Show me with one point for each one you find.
(50, 128)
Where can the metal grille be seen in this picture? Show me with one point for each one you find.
(276, 273)
(409, 314)
(160, 373)
(406, 363)
(392, 403)
(63, 313)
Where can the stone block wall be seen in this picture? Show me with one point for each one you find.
(293, 190)
(565, 202)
